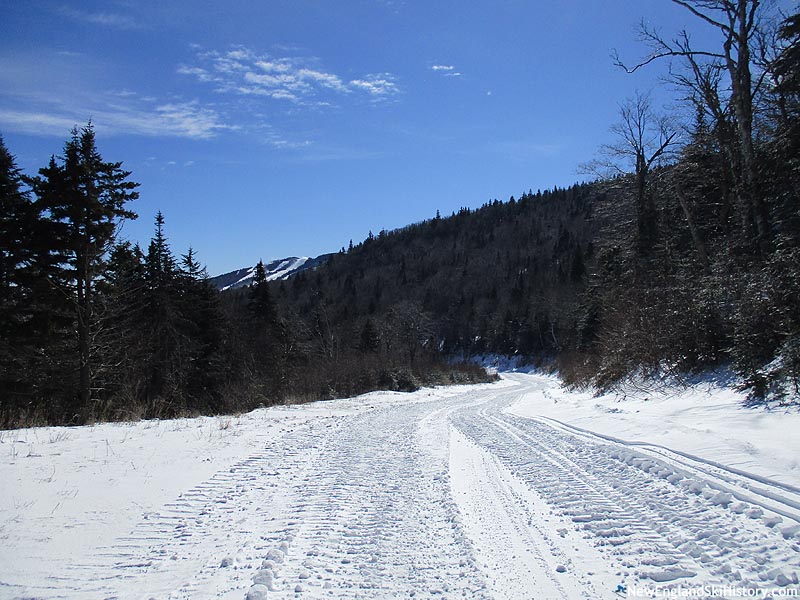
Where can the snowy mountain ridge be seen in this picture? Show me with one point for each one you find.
(276, 270)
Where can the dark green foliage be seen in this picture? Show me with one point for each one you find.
(267, 338)
(369, 340)
(92, 328)
(83, 199)
(202, 310)
(163, 329)
(786, 70)
(23, 327)
(124, 294)
(172, 331)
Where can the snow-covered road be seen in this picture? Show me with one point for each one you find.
(467, 492)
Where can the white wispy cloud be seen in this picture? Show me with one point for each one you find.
(35, 122)
(246, 72)
(49, 93)
(382, 84)
(446, 70)
(200, 74)
(183, 120)
(326, 80)
(103, 19)
(46, 94)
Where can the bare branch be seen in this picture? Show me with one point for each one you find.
(662, 148)
(680, 47)
(672, 53)
(703, 16)
(642, 139)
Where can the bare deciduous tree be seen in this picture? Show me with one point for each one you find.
(643, 139)
(739, 22)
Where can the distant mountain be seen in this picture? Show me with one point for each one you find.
(276, 270)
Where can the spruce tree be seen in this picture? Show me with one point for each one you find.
(260, 303)
(162, 333)
(205, 334)
(369, 339)
(268, 334)
(85, 199)
(16, 213)
(17, 339)
(123, 291)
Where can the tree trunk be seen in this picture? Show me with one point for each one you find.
(645, 211)
(742, 97)
(84, 323)
(697, 238)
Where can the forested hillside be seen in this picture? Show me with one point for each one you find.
(502, 278)
(682, 254)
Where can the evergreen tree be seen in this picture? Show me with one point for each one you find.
(162, 333)
(202, 314)
(369, 340)
(260, 303)
(785, 151)
(85, 198)
(787, 65)
(16, 216)
(18, 338)
(268, 334)
(123, 290)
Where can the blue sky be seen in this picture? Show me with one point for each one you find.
(271, 128)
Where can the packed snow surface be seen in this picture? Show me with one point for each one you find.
(517, 489)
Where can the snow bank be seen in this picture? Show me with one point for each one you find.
(706, 420)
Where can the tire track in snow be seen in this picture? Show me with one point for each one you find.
(655, 522)
(733, 541)
(377, 519)
(776, 496)
(205, 543)
(518, 542)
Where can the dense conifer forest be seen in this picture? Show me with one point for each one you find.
(681, 255)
